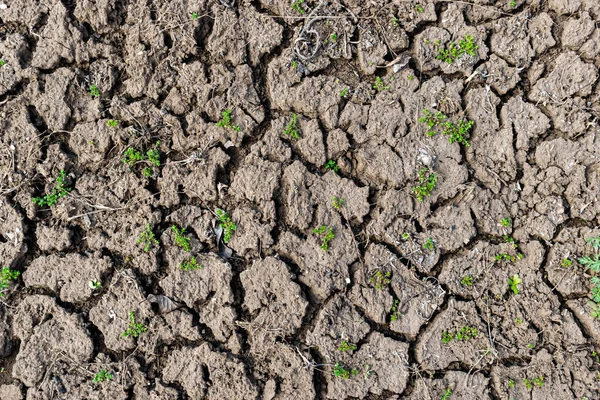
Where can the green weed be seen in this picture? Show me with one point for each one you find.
(60, 190)
(506, 222)
(379, 85)
(226, 122)
(405, 236)
(195, 15)
(467, 281)
(112, 123)
(395, 312)
(148, 239)
(7, 275)
(329, 235)
(395, 21)
(427, 182)
(345, 346)
(513, 3)
(381, 279)
(429, 244)
(511, 383)
(447, 394)
(513, 281)
(465, 333)
(95, 285)
(344, 92)
(457, 133)
(192, 264)
(419, 8)
(341, 372)
(292, 129)
(332, 165)
(131, 156)
(333, 37)
(297, 5)
(102, 376)
(94, 91)
(537, 381)
(226, 223)
(2, 63)
(135, 329)
(453, 52)
(566, 263)
(337, 202)
(181, 240)
(507, 257)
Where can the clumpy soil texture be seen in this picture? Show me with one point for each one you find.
(277, 199)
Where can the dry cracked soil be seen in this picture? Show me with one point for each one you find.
(288, 199)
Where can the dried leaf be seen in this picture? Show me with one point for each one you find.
(165, 304)
(224, 251)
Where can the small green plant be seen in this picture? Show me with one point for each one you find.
(333, 37)
(95, 285)
(379, 85)
(511, 383)
(381, 279)
(131, 156)
(513, 281)
(405, 236)
(226, 122)
(465, 333)
(2, 63)
(192, 264)
(427, 182)
(329, 235)
(506, 222)
(467, 281)
(453, 52)
(592, 263)
(102, 376)
(513, 3)
(429, 244)
(60, 190)
(195, 15)
(447, 394)
(519, 321)
(148, 239)
(294, 64)
(7, 275)
(112, 123)
(341, 372)
(566, 262)
(507, 257)
(337, 202)
(345, 346)
(447, 337)
(344, 92)
(181, 240)
(395, 21)
(395, 312)
(410, 77)
(418, 8)
(596, 356)
(537, 381)
(594, 241)
(135, 329)
(226, 223)
(297, 5)
(153, 155)
(292, 129)
(457, 132)
(94, 91)
(331, 164)
(432, 120)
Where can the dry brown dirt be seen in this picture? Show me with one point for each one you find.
(409, 300)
